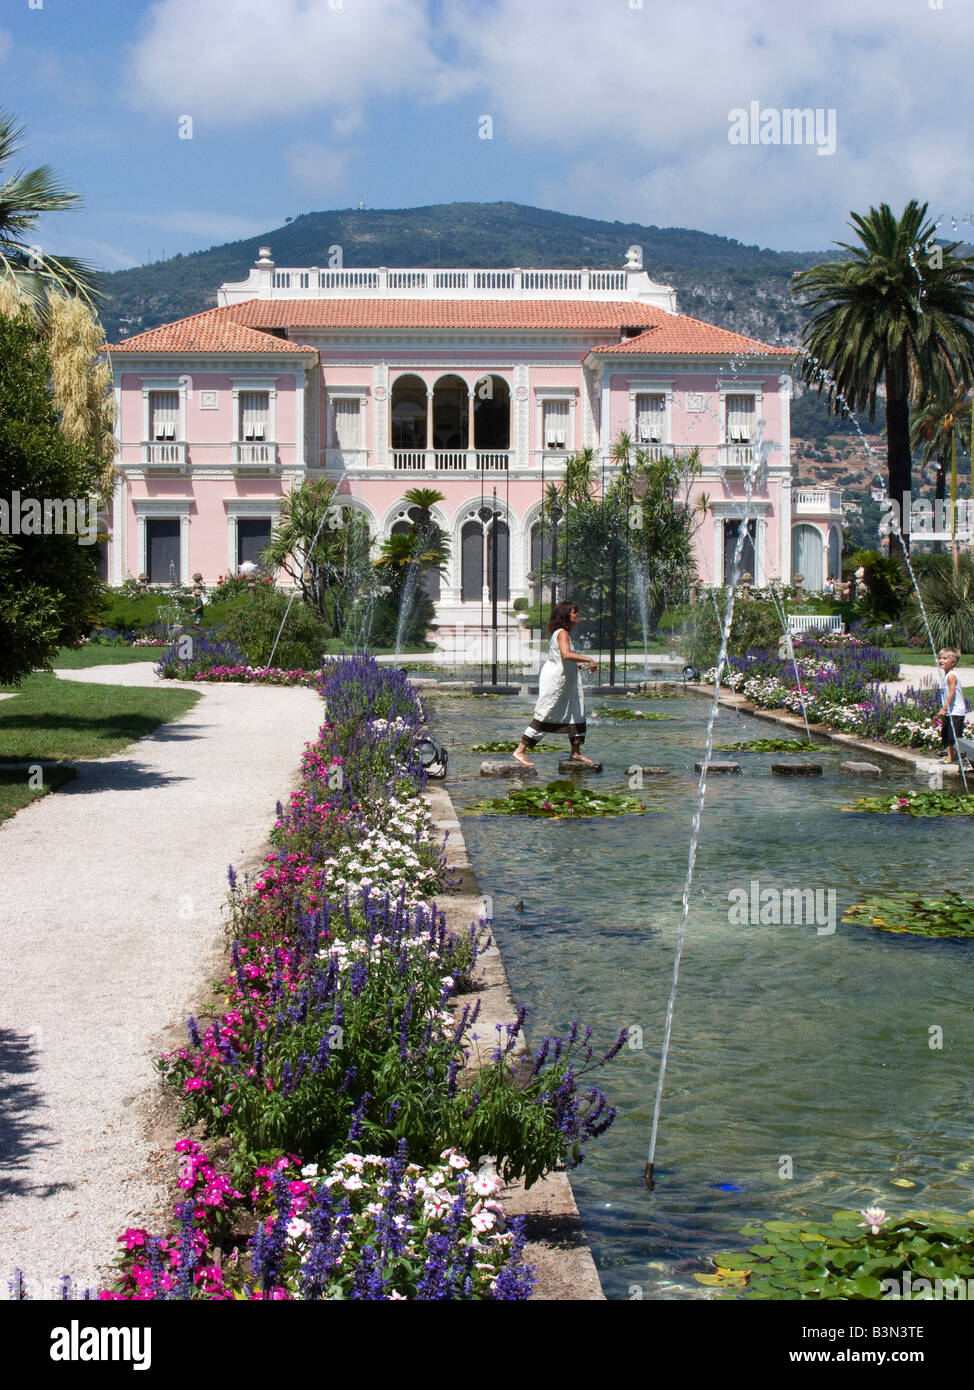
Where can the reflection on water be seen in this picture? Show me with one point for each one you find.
(787, 1043)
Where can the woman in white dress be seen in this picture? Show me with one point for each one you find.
(561, 703)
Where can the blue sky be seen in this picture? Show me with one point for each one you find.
(606, 108)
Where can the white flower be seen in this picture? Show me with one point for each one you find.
(486, 1184)
(310, 1170)
(296, 1228)
(484, 1222)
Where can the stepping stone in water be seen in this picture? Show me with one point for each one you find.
(718, 767)
(796, 769)
(566, 765)
(862, 769)
(508, 769)
(649, 771)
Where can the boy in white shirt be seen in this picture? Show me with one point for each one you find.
(954, 707)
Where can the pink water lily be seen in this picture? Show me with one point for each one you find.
(875, 1216)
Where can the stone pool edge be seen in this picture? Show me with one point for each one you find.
(557, 1246)
(920, 765)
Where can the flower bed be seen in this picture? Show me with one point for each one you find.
(838, 687)
(337, 1068)
(258, 675)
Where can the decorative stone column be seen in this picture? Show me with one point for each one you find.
(471, 446)
(430, 458)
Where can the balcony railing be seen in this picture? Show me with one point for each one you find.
(736, 455)
(807, 501)
(268, 281)
(171, 454)
(247, 455)
(450, 460)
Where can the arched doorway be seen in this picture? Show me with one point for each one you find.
(808, 555)
(476, 547)
(451, 413)
(407, 415)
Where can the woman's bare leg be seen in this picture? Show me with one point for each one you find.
(519, 752)
(577, 755)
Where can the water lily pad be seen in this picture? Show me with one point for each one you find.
(945, 915)
(564, 799)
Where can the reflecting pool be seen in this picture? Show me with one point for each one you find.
(794, 1049)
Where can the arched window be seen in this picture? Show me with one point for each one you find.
(492, 414)
(451, 428)
(808, 555)
(475, 540)
(407, 414)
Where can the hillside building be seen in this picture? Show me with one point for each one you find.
(469, 381)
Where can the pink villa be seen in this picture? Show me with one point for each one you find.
(468, 381)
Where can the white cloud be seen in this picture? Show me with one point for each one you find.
(628, 108)
(321, 169)
(233, 62)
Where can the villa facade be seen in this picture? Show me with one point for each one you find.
(478, 383)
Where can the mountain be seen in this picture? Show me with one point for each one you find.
(740, 287)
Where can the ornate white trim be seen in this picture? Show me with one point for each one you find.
(147, 508)
(237, 507)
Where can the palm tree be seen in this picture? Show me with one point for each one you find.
(25, 197)
(426, 544)
(891, 315)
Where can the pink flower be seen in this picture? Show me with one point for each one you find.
(875, 1216)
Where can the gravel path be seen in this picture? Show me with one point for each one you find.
(110, 922)
(912, 674)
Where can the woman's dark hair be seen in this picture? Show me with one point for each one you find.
(561, 615)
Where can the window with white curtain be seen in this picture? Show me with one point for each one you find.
(650, 418)
(740, 419)
(808, 555)
(346, 426)
(554, 420)
(254, 415)
(163, 415)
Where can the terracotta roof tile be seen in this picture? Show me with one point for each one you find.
(677, 335)
(212, 331)
(444, 313)
(236, 327)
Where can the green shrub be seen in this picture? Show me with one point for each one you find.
(134, 612)
(252, 621)
(385, 621)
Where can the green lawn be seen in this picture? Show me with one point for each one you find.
(16, 790)
(55, 720)
(77, 658)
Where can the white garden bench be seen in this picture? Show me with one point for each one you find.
(807, 622)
